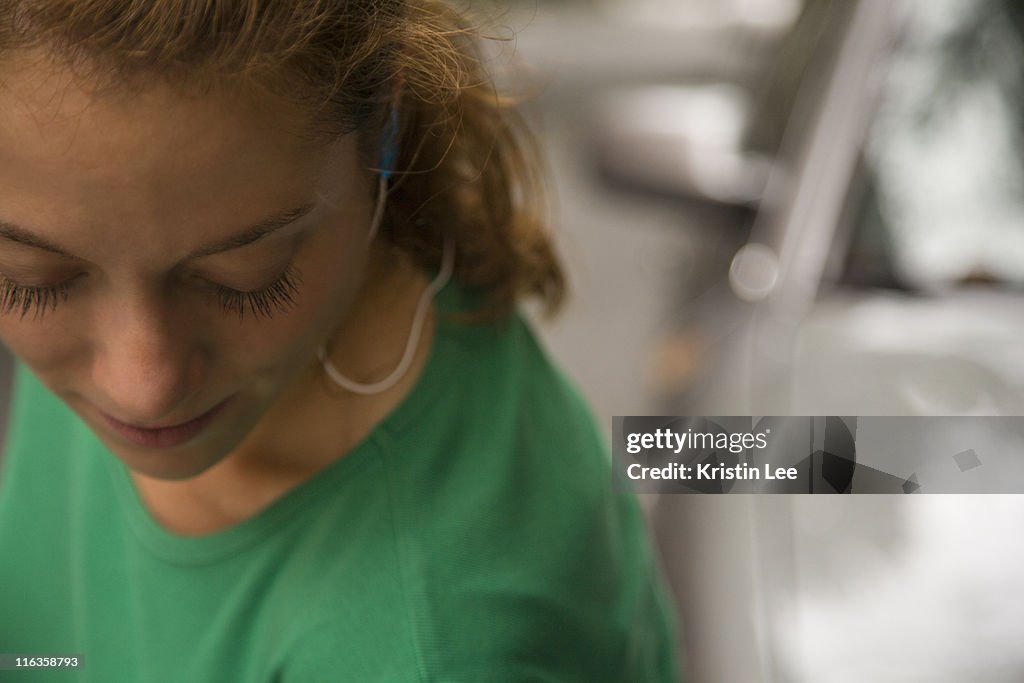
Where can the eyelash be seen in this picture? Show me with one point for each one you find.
(276, 297)
(13, 296)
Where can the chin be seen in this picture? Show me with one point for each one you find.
(171, 461)
(176, 464)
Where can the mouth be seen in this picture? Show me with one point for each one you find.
(164, 437)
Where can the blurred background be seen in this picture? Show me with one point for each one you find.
(796, 207)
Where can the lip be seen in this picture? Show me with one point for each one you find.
(165, 437)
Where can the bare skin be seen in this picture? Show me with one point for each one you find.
(129, 186)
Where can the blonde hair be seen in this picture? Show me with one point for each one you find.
(466, 166)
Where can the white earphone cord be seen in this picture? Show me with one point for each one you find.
(447, 266)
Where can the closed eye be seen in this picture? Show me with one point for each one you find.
(276, 297)
(22, 299)
(265, 302)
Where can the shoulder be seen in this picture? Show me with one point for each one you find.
(499, 375)
(502, 418)
(515, 553)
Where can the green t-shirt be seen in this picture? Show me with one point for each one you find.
(473, 536)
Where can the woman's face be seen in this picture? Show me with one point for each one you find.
(162, 256)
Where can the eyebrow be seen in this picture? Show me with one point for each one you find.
(256, 232)
(252, 234)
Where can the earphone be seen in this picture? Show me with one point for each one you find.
(389, 145)
(388, 160)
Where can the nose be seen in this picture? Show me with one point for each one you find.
(147, 369)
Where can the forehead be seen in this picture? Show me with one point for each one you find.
(56, 116)
(72, 154)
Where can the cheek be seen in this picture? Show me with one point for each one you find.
(328, 288)
(46, 347)
(41, 344)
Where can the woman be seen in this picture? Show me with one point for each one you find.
(276, 417)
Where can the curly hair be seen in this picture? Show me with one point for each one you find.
(466, 165)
